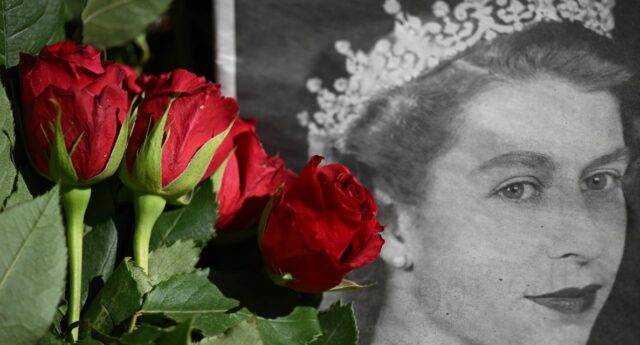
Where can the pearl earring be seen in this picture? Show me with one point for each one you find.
(402, 262)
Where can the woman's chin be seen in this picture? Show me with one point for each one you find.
(543, 325)
(564, 334)
(544, 331)
(520, 323)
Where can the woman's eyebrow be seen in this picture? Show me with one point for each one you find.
(528, 159)
(621, 154)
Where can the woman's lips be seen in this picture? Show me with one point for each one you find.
(568, 301)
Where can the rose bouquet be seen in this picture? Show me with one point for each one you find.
(143, 209)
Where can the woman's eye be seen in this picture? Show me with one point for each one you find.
(600, 182)
(519, 191)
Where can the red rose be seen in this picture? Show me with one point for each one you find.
(92, 102)
(322, 226)
(131, 83)
(63, 64)
(181, 121)
(249, 179)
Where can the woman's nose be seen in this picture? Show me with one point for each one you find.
(574, 235)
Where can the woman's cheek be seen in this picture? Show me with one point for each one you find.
(610, 201)
(609, 210)
(611, 214)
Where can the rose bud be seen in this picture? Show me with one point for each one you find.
(321, 226)
(76, 117)
(181, 121)
(75, 113)
(247, 178)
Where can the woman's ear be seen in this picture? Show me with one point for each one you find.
(394, 251)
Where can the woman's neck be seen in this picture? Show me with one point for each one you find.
(404, 318)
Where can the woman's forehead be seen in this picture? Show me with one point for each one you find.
(551, 117)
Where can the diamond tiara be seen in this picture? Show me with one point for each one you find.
(417, 46)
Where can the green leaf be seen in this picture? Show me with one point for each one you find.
(165, 262)
(144, 335)
(50, 339)
(20, 193)
(73, 9)
(13, 189)
(109, 23)
(179, 335)
(338, 325)
(32, 268)
(27, 26)
(195, 221)
(120, 297)
(216, 323)
(88, 341)
(246, 332)
(299, 327)
(58, 326)
(192, 295)
(99, 254)
(8, 171)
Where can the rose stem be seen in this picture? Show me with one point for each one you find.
(148, 208)
(74, 201)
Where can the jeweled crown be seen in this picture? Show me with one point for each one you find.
(416, 46)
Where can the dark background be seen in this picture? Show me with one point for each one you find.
(281, 44)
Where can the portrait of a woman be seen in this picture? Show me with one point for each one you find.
(500, 172)
(498, 138)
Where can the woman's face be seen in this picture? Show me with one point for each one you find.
(523, 224)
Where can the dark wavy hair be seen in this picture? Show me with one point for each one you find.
(405, 128)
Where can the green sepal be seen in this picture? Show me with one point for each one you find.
(146, 176)
(281, 279)
(197, 167)
(60, 166)
(350, 285)
(216, 178)
(182, 200)
(264, 217)
(119, 147)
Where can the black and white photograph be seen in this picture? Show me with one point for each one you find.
(499, 139)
